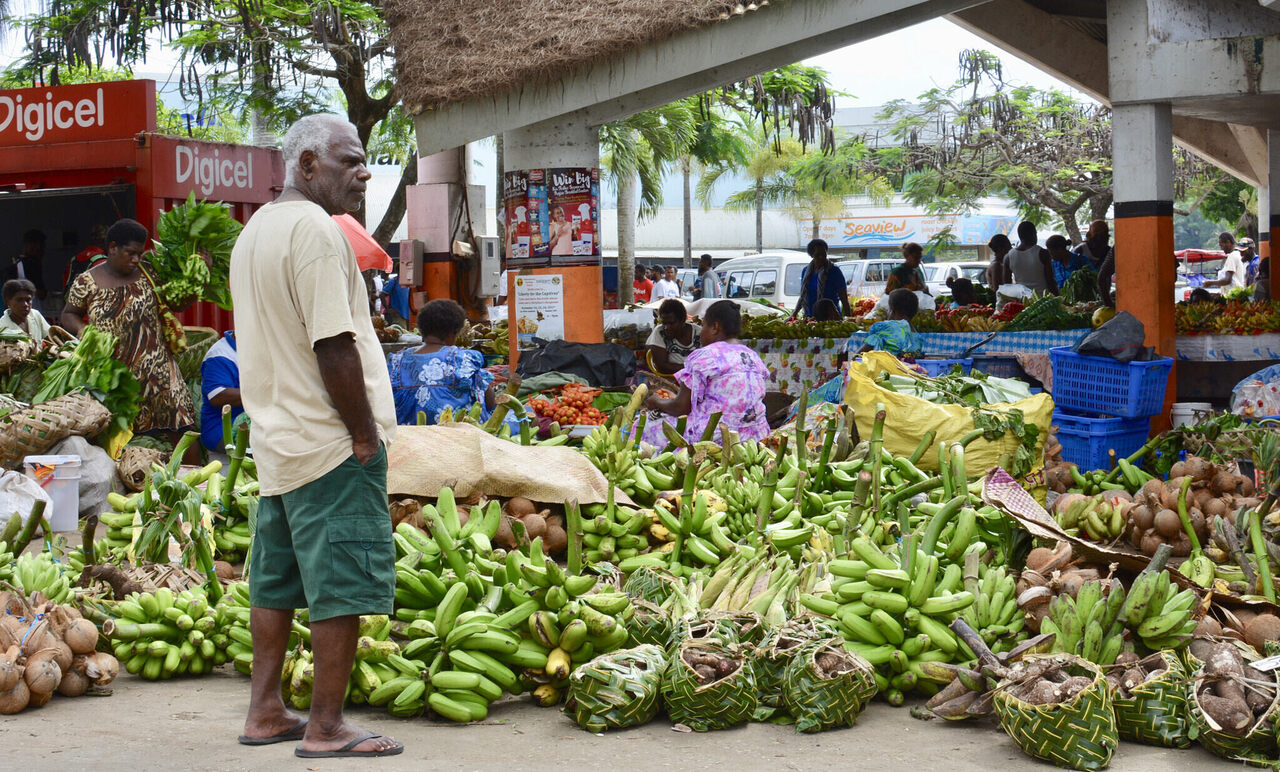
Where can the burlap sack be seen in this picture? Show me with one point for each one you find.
(424, 459)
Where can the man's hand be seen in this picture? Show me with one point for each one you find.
(365, 451)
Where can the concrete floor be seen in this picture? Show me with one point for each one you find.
(192, 725)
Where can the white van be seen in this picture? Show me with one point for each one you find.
(867, 278)
(771, 276)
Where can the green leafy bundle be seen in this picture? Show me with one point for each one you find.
(184, 236)
(1080, 287)
(1047, 313)
(90, 367)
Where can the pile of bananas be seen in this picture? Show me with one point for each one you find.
(994, 615)
(893, 617)
(765, 584)
(491, 339)
(1089, 625)
(1093, 517)
(6, 562)
(161, 635)
(614, 535)
(1157, 613)
(39, 573)
(1125, 477)
(779, 327)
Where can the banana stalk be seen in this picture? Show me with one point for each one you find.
(573, 519)
(1260, 549)
(877, 444)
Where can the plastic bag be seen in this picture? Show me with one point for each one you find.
(1119, 339)
(18, 493)
(599, 364)
(1258, 396)
(881, 308)
(909, 418)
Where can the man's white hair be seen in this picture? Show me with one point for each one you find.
(312, 132)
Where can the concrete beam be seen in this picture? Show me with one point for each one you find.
(1042, 40)
(1253, 142)
(1216, 143)
(686, 64)
(1197, 69)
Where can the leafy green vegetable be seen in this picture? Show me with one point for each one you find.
(90, 367)
(184, 234)
(1081, 287)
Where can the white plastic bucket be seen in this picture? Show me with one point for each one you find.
(1190, 413)
(60, 477)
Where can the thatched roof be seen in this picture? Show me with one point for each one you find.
(452, 50)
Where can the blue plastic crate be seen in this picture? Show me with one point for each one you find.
(935, 367)
(1086, 441)
(1101, 385)
(999, 366)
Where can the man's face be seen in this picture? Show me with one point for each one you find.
(1059, 253)
(1226, 245)
(338, 177)
(671, 274)
(20, 305)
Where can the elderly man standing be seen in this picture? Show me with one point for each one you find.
(317, 392)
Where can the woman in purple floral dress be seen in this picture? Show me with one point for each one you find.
(723, 377)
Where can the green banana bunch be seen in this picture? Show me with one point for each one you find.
(1158, 614)
(762, 583)
(994, 615)
(1089, 625)
(41, 573)
(1094, 518)
(697, 534)
(6, 562)
(1125, 476)
(613, 535)
(162, 634)
(896, 619)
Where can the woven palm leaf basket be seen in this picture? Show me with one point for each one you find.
(617, 690)
(1077, 733)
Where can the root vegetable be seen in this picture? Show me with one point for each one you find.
(1234, 717)
(1043, 693)
(15, 700)
(518, 507)
(1260, 629)
(1167, 523)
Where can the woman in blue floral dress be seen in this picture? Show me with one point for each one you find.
(723, 377)
(438, 374)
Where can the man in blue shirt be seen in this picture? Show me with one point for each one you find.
(220, 385)
(821, 280)
(1065, 262)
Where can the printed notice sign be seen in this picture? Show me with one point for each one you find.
(539, 309)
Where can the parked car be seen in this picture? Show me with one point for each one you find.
(771, 276)
(937, 274)
(867, 278)
(1194, 266)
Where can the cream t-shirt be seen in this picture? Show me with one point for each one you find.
(294, 281)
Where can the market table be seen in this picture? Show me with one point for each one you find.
(1229, 348)
(801, 364)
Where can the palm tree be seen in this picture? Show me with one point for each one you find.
(636, 153)
(766, 162)
(815, 187)
(716, 143)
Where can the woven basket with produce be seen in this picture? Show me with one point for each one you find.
(1150, 699)
(34, 430)
(1058, 708)
(742, 627)
(775, 653)
(649, 624)
(651, 583)
(199, 341)
(1235, 706)
(616, 690)
(709, 685)
(826, 687)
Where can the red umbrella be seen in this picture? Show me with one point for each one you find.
(369, 253)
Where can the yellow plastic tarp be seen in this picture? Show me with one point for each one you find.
(908, 418)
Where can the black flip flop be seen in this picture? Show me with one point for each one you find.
(347, 750)
(298, 731)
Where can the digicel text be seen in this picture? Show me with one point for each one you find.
(209, 173)
(31, 119)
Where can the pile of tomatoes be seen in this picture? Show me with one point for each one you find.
(571, 406)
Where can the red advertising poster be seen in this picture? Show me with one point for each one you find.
(525, 199)
(214, 170)
(573, 217)
(78, 113)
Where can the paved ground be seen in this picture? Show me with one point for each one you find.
(192, 725)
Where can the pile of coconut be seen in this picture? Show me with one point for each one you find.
(47, 648)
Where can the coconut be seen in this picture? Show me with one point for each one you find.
(555, 539)
(39, 700)
(101, 668)
(1142, 517)
(15, 700)
(73, 684)
(1117, 495)
(1246, 486)
(1169, 498)
(1040, 556)
(42, 674)
(1208, 626)
(1167, 523)
(81, 636)
(1151, 542)
(1260, 629)
(10, 672)
(1197, 468)
(62, 655)
(1225, 482)
(505, 537)
(534, 525)
(519, 506)
(224, 570)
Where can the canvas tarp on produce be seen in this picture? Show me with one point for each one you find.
(424, 459)
(908, 417)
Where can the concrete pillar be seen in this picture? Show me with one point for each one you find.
(1142, 160)
(1269, 206)
(437, 215)
(565, 141)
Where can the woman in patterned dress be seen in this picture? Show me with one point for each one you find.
(722, 377)
(116, 297)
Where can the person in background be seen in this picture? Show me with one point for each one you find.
(895, 335)
(29, 264)
(87, 257)
(962, 292)
(722, 377)
(1065, 262)
(642, 286)
(1029, 264)
(397, 299)
(220, 385)
(1096, 247)
(821, 280)
(1251, 260)
(825, 310)
(1000, 247)
(1200, 295)
(438, 374)
(1262, 284)
(666, 287)
(908, 275)
(673, 339)
(116, 297)
(322, 413)
(19, 314)
(1232, 273)
(707, 285)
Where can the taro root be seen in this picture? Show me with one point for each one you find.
(1043, 693)
(1260, 629)
(1208, 626)
(706, 674)
(1234, 717)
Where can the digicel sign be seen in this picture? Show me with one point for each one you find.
(80, 113)
(213, 170)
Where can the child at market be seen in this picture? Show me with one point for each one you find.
(439, 374)
(826, 310)
(895, 334)
(962, 292)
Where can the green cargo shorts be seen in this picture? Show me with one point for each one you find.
(327, 546)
